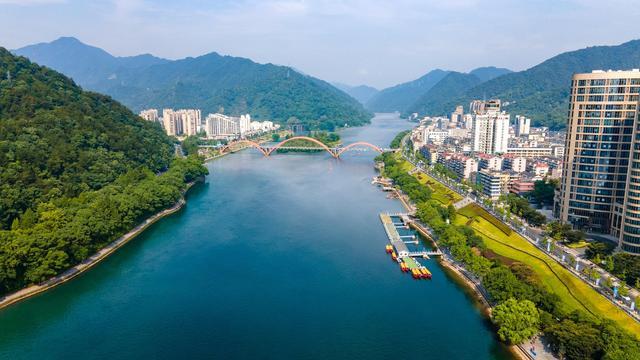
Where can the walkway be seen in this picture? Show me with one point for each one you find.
(532, 235)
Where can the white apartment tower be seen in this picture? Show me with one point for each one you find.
(491, 132)
(523, 125)
(219, 125)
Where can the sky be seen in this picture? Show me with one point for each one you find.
(375, 42)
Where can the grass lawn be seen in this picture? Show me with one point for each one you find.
(472, 211)
(578, 245)
(575, 294)
(440, 192)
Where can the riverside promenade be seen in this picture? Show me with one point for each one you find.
(475, 286)
(94, 259)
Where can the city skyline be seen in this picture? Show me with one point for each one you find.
(354, 42)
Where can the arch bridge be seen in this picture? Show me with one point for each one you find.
(267, 150)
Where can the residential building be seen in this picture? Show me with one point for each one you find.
(490, 162)
(181, 122)
(430, 152)
(468, 121)
(530, 152)
(491, 132)
(521, 186)
(221, 126)
(494, 183)
(149, 115)
(456, 116)
(172, 122)
(539, 169)
(600, 188)
(462, 165)
(516, 164)
(523, 125)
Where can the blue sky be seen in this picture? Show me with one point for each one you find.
(374, 42)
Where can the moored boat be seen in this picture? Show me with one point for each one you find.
(425, 273)
(415, 273)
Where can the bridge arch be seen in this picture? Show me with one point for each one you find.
(359, 143)
(315, 141)
(244, 141)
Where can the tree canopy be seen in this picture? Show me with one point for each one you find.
(517, 320)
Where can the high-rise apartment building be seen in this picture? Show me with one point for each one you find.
(181, 122)
(456, 116)
(171, 122)
(149, 115)
(491, 130)
(600, 190)
(219, 125)
(523, 125)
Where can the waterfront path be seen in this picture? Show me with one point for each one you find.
(559, 253)
(91, 261)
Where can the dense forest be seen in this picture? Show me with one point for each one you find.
(77, 170)
(210, 82)
(57, 140)
(522, 305)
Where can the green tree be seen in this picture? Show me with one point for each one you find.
(517, 320)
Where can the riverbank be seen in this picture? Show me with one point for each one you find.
(93, 260)
(461, 274)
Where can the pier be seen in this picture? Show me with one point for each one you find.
(400, 246)
(394, 237)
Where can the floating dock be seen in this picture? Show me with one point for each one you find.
(399, 250)
(394, 237)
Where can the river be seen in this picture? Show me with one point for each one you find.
(272, 258)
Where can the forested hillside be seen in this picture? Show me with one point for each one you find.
(211, 82)
(57, 140)
(77, 170)
(402, 96)
(542, 92)
(453, 85)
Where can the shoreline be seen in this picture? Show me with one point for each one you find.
(96, 258)
(475, 288)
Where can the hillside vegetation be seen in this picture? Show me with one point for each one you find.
(57, 140)
(541, 92)
(211, 82)
(77, 170)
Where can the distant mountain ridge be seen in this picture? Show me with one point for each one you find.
(210, 82)
(402, 96)
(85, 64)
(542, 91)
(434, 87)
(487, 73)
(362, 93)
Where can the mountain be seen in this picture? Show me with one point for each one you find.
(489, 72)
(362, 93)
(83, 63)
(58, 140)
(451, 86)
(542, 92)
(209, 82)
(402, 96)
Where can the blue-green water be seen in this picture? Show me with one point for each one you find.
(272, 258)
